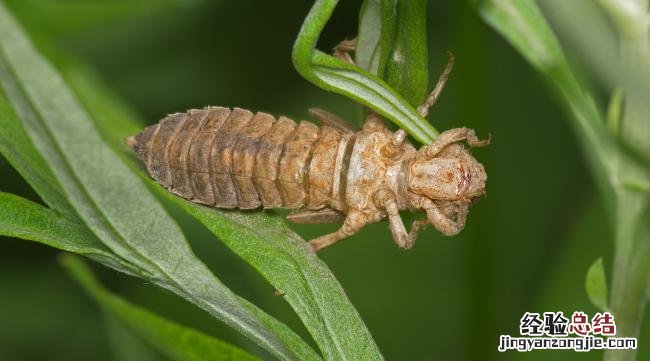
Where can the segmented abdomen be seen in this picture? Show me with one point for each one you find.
(236, 159)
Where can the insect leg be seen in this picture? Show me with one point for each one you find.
(449, 137)
(403, 239)
(343, 49)
(443, 222)
(321, 216)
(332, 120)
(435, 93)
(354, 221)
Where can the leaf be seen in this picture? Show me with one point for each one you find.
(392, 44)
(335, 75)
(375, 36)
(25, 219)
(310, 286)
(521, 23)
(110, 199)
(125, 345)
(306, 282)
(261, 239)
(615, 111)
(407, 70)
(265, 241)
(618, 60)
(173, 340)
(596, 285)
(16, 147)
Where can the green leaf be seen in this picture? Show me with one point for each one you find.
(408, 66)
(125, 344)
(615, 111)
(375, 36)
(392, 44)
(522, 24)
(596, 285)
(171, 339)
(306, 282)
(335, 75)
(262, 240)
(637, 186)
(114, 120)
(16, 147)
(309, 285)
(265, 241)
(25, 219)
(110, 198)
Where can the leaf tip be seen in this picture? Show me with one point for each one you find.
(596, 285)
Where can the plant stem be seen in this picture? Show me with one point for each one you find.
(630, 16)
(630, 274)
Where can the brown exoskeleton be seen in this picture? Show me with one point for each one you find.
(236, 159)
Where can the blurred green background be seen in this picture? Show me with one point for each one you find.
(526, 247)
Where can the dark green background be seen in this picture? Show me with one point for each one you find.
(526, 247)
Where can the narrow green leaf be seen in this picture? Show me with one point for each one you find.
(107, 195)
(125, 345)
(368, 49)
(317, 297)
(171, 339)
(254, 237)
(262, 240)
(249, 236)
(113, 119)
(306, 282)
(615, 111)
(522, 24)
(630, 17)
(408, 65)
(235, 232)
(337, 76)
(375, 36)
(637, 186)
(49, 112)
(17, 148)
(298, 346)
(596, 285)
(619, 59)
(27, 220)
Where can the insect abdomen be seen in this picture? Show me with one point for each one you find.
(236, 159)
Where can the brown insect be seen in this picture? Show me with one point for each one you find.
(232, 158)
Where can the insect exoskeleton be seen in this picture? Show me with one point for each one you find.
(232, 158)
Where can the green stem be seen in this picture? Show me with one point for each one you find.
(630, 17)
(630, 273)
